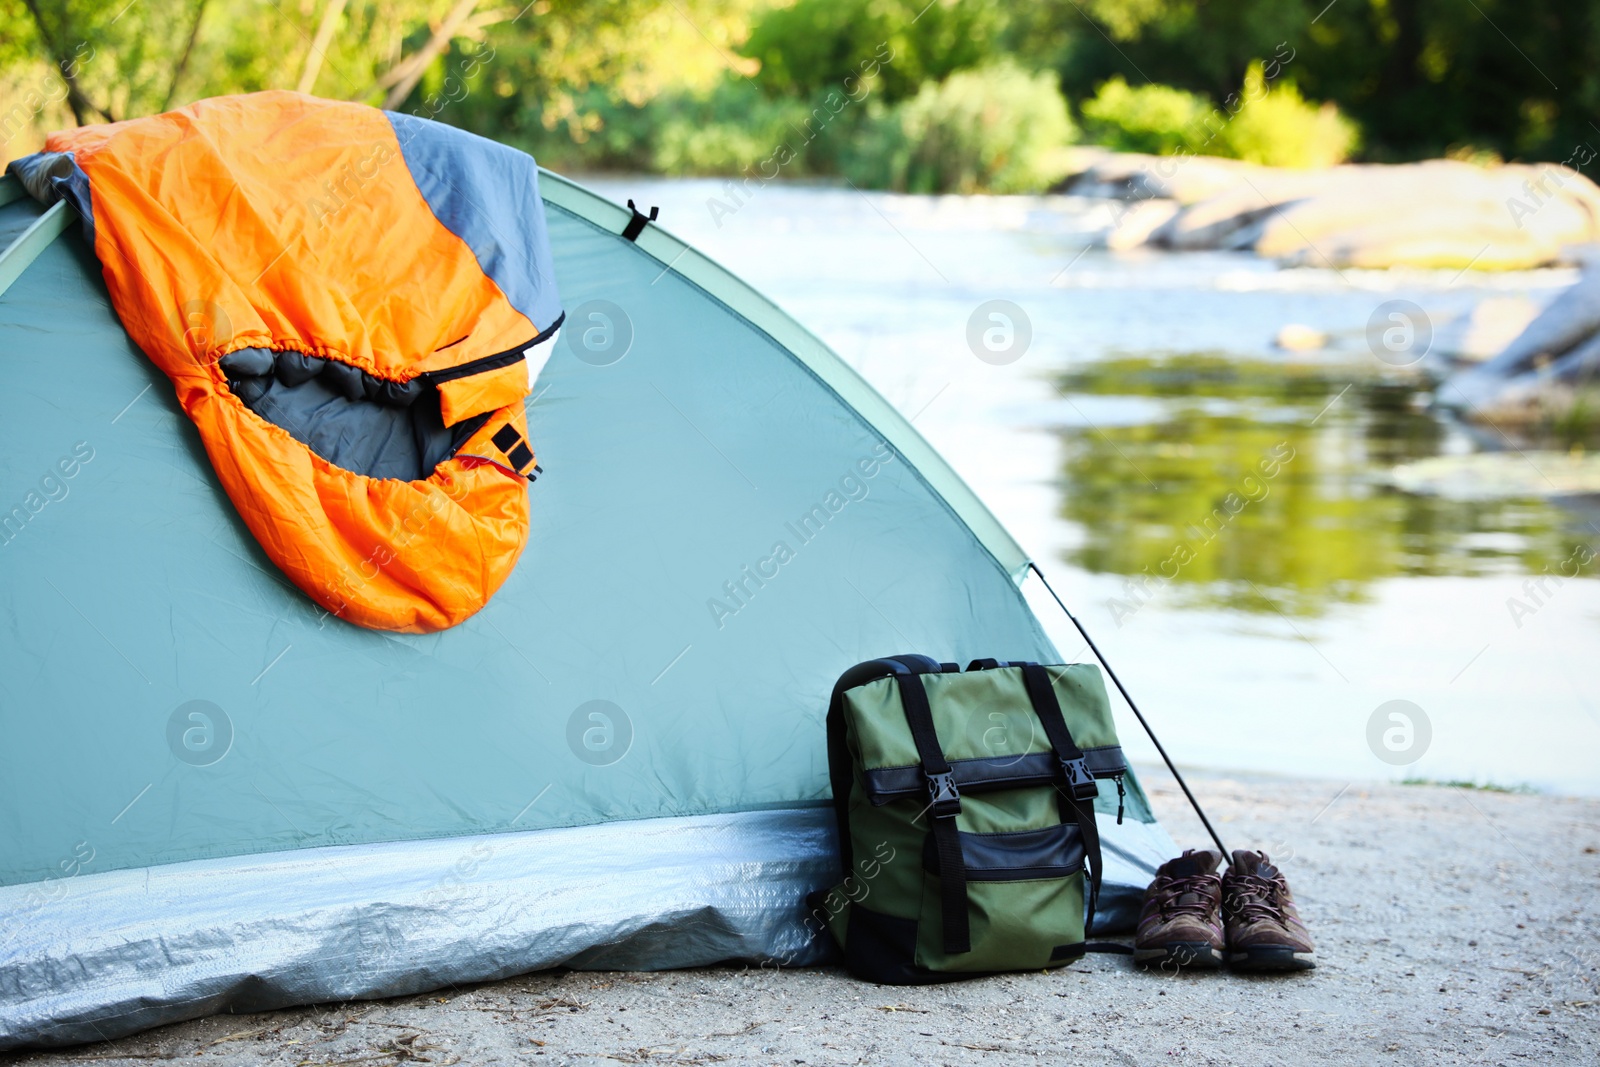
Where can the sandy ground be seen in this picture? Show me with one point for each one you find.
(1452, 926)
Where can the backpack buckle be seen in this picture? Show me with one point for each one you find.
(1079, 779)
(943, 796)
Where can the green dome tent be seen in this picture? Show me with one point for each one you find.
(214, 796)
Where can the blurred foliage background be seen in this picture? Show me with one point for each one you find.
(948, 95)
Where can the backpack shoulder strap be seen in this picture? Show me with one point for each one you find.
(839, 767)
(1076, 790)
(944, 804)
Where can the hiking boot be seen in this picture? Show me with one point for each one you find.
(1181, 924)
(1263, 928)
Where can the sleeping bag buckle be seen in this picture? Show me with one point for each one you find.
(943, 796)
(1079, 779)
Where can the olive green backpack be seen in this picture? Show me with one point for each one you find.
(965, 802)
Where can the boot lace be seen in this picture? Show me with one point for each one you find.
(1253, 898)
(1187, 896)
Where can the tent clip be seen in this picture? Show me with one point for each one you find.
(635, 225)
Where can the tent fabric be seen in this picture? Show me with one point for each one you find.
(281, 222)
(351, 922)
(334, 924)
(16, 218)
(178, 716)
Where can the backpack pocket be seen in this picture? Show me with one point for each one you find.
(1025, 904)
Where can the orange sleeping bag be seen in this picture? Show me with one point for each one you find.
(343, 299)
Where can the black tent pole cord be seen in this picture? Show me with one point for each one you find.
(1137, 713)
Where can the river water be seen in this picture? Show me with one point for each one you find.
(1221, 514)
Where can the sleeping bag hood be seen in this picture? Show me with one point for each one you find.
(345, 300)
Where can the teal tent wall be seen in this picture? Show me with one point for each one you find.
(667, 473)
(131, 590)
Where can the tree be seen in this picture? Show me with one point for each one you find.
(1518, 77)
(115, 61)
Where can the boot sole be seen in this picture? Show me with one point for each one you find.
(1194, 954)
(1271, 958)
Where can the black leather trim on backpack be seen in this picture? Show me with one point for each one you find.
(881, 948)
(886, 784)
(1049, 852)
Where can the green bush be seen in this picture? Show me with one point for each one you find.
(727, 130)
(1157, 119)
(998, 129)
(1279, 128)
(1262, 123)
(811, 47)
(731, 129)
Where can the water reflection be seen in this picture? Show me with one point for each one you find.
(1259, 485)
